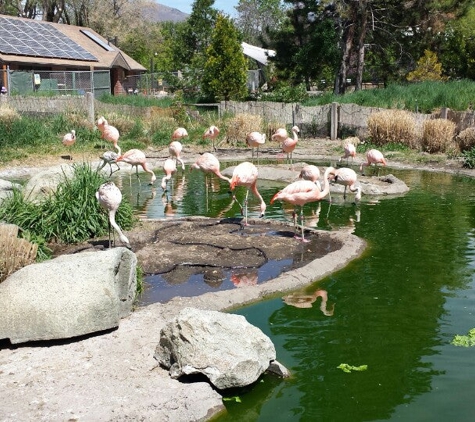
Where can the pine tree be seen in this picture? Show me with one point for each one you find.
(428, 69)
(225, 70)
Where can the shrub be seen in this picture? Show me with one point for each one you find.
(469, 158)
(15, 252)
(393, 126)
(466, 139)
(438, 136)
(240, 125)
(71, 215)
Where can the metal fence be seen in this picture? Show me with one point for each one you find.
(22, 82)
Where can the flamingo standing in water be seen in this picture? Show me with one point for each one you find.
(374, 156)
(136, 158)
(169, 167)
(312, 173)
(254, 139)
(110, 197)
(109, 157)
(208, 163)
(211, 133)
(68, 141)
(289, 144)
(245, 174)
(175, 149)
(349, 151)
(109, 133)
(302, 192)
(348, 178)
(280, 135)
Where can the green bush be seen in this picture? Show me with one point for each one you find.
(71, 215)
(469, 158)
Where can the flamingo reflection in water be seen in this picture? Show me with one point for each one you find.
(300, 300)
(171, 198)
(243, 279)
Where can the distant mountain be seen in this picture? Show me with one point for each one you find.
(156, 12)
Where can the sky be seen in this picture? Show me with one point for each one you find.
(227, 6)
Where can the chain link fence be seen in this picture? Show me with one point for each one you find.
(21, 82)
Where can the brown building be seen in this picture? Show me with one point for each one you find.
(41, 47)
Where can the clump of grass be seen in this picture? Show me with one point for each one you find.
(438, 136)
(466, 139)
(15, 252)
(8, 115)
(70, 215)
(240, 125)
(469, 158)
(393, 126)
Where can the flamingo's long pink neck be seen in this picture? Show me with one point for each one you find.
(256, 192)
(295, 135)
(326, 184)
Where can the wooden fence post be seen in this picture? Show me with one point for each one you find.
(90, 106)
(334, 121)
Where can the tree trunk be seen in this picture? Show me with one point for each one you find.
(347, 45)
(363, 16)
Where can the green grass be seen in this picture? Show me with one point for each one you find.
(424, 97)
(71, 215)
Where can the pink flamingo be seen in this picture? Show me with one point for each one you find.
(289, 144)
(302, 192)
(110, 197)
(68, 140)
(208, 163)
(348, 178)
(312, 173)
(109, 157)
(349, 151)
(179, 133)
(109, 133)
(175, 149)
(280, 135)
(254, 139)
(136, 158)
(169, 167)
(373, 156)
(245, 174)
(211, 133)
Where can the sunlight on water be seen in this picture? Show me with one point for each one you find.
(396, 309)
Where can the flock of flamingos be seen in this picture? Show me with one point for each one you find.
(305, 190)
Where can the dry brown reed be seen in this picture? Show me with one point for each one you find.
(466, 139)
(351, 140)
(393, 126)
(240, 125)
(15, 252)
(438, 136)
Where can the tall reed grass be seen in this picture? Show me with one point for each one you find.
(424, 97)
(70, 215)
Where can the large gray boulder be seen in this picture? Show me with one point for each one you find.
(6, 189)
(69, 296)
(223, 347)
(46, 182)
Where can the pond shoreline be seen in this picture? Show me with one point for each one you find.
(113, 376)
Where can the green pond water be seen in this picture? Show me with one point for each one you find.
(396, 309)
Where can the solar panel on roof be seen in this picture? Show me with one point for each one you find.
(97, 40)
(30, 38)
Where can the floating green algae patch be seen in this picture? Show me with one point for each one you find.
(348, 368)
(465, 341)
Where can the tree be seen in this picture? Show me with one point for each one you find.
(257, 17)
(225, 76)
(428, 69)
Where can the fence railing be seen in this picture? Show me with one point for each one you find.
(29, 82)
